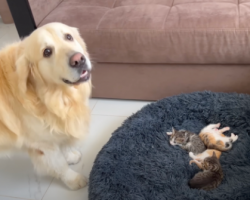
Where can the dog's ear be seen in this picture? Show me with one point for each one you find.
(22, 71)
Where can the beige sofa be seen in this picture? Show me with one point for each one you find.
(150, 49)
(5, 12)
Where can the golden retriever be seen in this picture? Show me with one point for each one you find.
(44, 90)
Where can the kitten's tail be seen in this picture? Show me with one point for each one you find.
(221, 147)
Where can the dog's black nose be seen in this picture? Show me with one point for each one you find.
(76, 60)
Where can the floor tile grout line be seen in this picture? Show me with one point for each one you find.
(94, 105)
(18, 198)
(7, 28)
(47, 188)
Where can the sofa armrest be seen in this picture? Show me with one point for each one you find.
(41, 8)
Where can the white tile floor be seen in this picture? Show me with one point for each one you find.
(17, 177)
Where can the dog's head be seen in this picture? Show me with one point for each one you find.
(56, 54)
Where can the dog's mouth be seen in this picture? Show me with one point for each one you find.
(85, 75)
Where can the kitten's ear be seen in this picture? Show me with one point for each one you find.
(169, 133)
(214, 155)
(186, 138)
(173, 130)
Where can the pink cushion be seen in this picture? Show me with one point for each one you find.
(161, 31)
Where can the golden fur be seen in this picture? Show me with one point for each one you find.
(38, 111)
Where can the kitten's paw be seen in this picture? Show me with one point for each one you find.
(224, 129)
(73, 157)
(216, 126)
(191, 154)
(191, 161)
(212, 127)
(169, 133)
(234, 137)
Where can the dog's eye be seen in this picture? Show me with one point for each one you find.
(47, 52)
(69, 37)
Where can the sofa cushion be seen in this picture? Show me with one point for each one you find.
(135, 17)
(161, 31)
(101, 3)
(40, 9)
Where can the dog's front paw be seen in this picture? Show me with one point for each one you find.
(73, 157)
(77, 183)
(74, 180)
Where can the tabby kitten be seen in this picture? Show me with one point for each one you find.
(214, 138)
(187, 140)
(210, 177)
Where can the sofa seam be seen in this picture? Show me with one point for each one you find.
(114, 3)
(197, 2)
(238, 18)
(50, 12)
(97, 27)
(164, 22)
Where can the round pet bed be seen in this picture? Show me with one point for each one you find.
(138, 163)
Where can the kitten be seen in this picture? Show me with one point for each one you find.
(187, 140)
(210, 177)
(207, 153)
(214, 138)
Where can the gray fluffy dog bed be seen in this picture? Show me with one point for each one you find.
(138, 163)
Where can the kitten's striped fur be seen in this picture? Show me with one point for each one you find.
(210, 177)
(187, 140)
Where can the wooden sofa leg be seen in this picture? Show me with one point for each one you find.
(22, 16)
